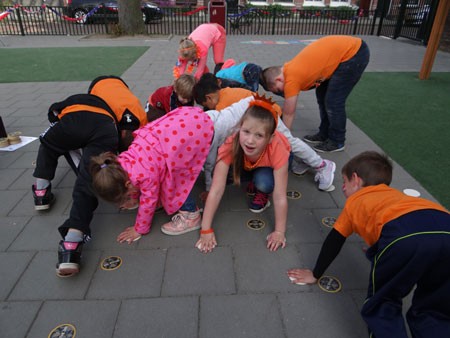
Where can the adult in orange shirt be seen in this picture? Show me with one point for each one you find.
(409, 240)
(332, 65)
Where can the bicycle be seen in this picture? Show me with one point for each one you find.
(244, 20)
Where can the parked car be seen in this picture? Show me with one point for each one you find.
(108, 10)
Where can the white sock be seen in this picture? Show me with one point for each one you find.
(42, 183)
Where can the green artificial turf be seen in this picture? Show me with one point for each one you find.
(410, 120)
(65, 64)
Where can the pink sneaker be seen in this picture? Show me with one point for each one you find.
(183, 222)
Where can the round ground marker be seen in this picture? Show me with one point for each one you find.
(111, 263)
(329, 284)
(63, 331)
(411, 192)
(293, 195)
(256, 224)
(329, 221)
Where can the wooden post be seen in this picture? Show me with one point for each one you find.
(435, 38)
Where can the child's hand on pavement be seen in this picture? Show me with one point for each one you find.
(301, 276)
(129, 235)
(206, 243)
(275, 240)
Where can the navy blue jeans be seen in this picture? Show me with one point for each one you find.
(332, 94)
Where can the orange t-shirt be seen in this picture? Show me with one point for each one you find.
(369, 209)
(228, 96)
(317, 62)
(276, 155)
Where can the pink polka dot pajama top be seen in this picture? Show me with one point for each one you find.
(165, 160)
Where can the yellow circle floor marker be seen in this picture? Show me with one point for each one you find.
(329, 284)
(329, 221)
(111, 263)
(256, 224)
(293, 195)
(63, 331)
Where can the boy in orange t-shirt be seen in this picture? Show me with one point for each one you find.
(409, 240)
(332, 65)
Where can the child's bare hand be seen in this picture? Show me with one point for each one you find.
(275, 240)
(129, 235)
(206, 243)
(301, 276)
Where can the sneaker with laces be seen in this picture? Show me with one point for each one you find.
(42, 198)
(251, 189)
(69, 258)
(260, 202)
(183, 222)
(299, 168)
(325, 176)
(314, 139)
(328, 146)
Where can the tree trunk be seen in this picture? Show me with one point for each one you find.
(130, 17)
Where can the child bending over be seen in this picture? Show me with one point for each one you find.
(193, 51)
(259, 153)
(165, 99)
(247, 74)
(161, 165)
(409, 240)
(232, 108)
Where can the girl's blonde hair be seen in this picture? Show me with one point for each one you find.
(109, 178)
(184, 86)
(265, 117)
(188, 49)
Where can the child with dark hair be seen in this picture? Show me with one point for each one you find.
(161, 165)
(247, 74)
(409, 240)
(168, 98)
(259, 153)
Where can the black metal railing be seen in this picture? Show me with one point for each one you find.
(51, 20)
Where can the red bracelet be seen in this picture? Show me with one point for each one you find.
(205, 232)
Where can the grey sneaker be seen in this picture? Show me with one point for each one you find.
(299, 168)
(328, 147)
(325, 176)
(314, 139)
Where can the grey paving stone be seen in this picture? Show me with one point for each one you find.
(140, 275)
(7, 176)
(93, 319)
(159, 317)
(39, 282)
(40, 233)
(10, 227)
(320, 314)
(10, 199)
(244, 316)
(259, 270)
(189, 272)
(13, 265)
(16, 318)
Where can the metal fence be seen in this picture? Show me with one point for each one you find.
(51, 20)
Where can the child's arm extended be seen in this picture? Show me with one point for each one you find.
(207, 241)
(277, 237)
(330, 249)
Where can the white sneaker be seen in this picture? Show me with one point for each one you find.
(299, 168)
(325, 176)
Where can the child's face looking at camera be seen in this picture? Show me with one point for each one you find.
(253, 137)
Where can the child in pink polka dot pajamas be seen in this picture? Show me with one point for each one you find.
(161, 166)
